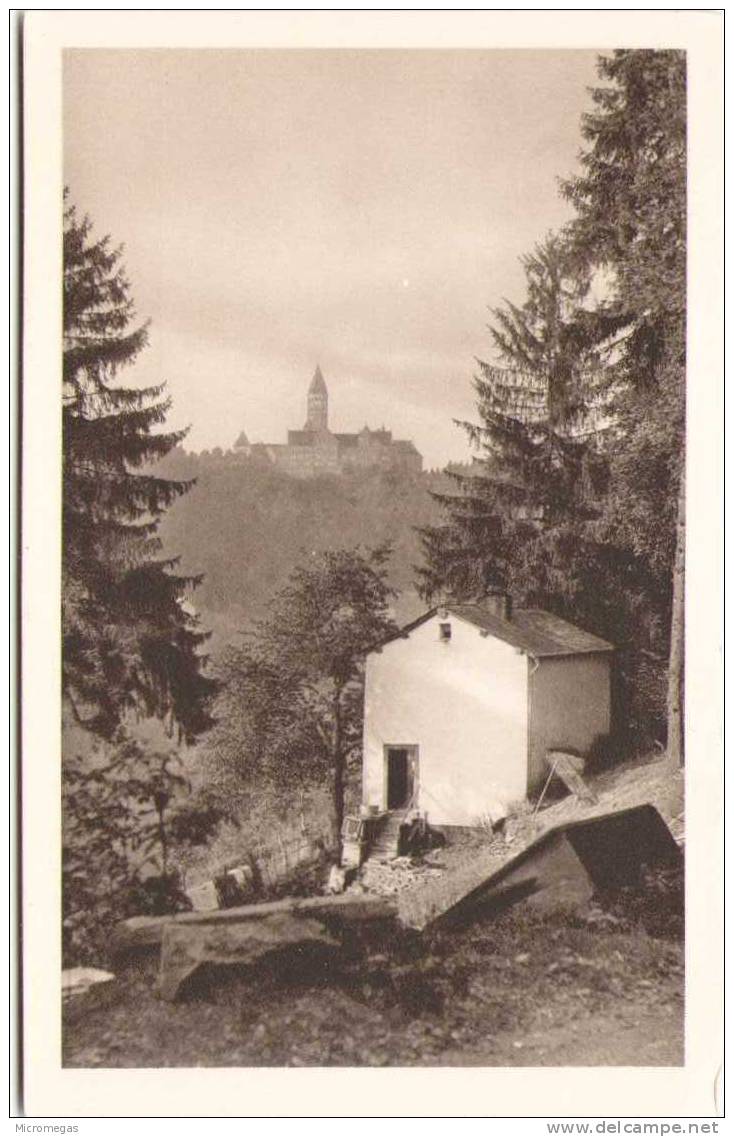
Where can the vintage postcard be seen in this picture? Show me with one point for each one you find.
(372, 377)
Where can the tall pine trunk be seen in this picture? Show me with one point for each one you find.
(161, 833)
(676, 664)
(338, 761)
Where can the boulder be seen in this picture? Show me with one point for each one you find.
(187, 947)
(79, 980)
(144, 933)
(563, 868)
(86, 989)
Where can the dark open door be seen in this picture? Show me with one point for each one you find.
(400, 776)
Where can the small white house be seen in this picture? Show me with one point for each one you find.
(463, 704)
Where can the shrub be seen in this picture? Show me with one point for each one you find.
(122, 821)
(657, 904)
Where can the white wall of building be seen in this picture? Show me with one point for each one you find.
(465, 705)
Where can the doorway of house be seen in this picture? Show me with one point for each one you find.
(401, 766)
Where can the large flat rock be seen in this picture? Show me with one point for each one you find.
(334, 912)
(186, 947)
(564, 867)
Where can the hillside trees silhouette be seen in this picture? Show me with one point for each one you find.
(245, 526)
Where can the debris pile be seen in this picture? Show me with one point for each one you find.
(388, 878)
(417, 882)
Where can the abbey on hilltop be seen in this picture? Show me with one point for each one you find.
(317, 450)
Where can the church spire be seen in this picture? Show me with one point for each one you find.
(317, 383)
(317, 403)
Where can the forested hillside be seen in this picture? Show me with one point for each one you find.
(246, 525)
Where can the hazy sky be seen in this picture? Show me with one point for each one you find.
(361, 209)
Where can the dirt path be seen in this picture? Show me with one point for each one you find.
(648, 1036)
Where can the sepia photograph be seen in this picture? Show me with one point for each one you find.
(373, 556)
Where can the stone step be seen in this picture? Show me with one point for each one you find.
(392, 825)
(388, 834)
(385, 844)
(387, 837)
(384, 851)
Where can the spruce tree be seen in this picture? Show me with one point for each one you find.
(580, 506)
(533, 478)
(631, 219)
(131, 643)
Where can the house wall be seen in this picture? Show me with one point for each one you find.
(464, 704)
(569, 706)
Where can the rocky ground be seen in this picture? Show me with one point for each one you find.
(517, 990)
(601, 988)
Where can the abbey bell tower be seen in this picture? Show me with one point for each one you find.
(317, 403)
(314, 450)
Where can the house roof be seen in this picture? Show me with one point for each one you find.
(532, 630)
(535, 631)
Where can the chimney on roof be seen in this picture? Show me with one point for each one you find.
(495, 601)
(498, 603)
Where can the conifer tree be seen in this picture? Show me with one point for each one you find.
(130, 641)
(631, 218)
(535, 441)
(578, 502)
